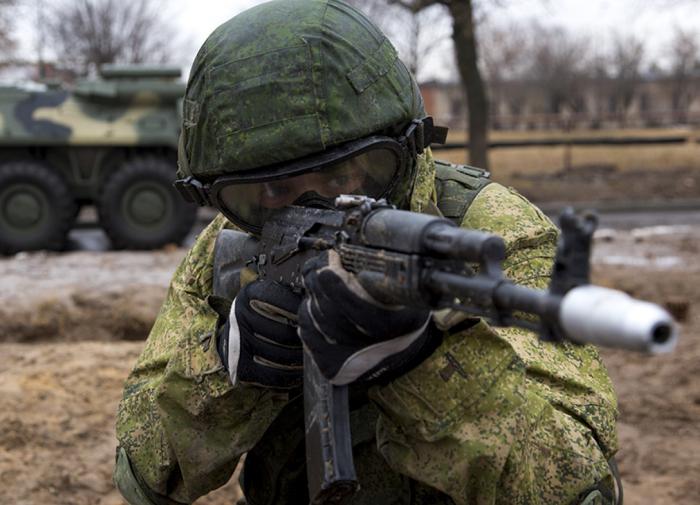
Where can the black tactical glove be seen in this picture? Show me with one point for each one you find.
(353, 337)
(259, 343)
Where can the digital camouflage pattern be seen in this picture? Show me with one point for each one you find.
(493, 416)
(265, 90)
(496, 416)
(126, 107)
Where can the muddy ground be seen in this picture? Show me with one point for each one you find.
(72, 324)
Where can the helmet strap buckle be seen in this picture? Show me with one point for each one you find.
(193, 191)
(421, 133)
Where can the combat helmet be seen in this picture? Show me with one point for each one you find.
(299, 98)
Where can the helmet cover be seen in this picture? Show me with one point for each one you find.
(290, 78)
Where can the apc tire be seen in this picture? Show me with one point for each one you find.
(139, 207)
(36, 208)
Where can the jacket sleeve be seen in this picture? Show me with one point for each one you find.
(495, 415)
(181, 422)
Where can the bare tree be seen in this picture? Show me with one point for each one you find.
(7, 42)
(427, 34)
(559, 64)
(505, 51)
(379, 11)
(685, 66)
(625, 65)
(505, 60)
(415, 34)
(466, 52)
(90, 33)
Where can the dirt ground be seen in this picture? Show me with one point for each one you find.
(659, 397)
(71, 324)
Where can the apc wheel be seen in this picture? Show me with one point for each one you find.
(140, 209)
(36, 208)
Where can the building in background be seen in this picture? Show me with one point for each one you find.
(656, 101)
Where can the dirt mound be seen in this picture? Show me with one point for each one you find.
(83, 295)
(125, 313)
(659, 397)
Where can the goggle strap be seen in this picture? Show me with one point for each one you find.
(421, 133)
(433, 134)
(439, 135)
(192, 191)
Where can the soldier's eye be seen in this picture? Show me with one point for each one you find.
(339, 181)
(272, 190)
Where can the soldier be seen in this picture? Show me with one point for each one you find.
(297, 101)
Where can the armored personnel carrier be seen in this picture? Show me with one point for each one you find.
(111, 142)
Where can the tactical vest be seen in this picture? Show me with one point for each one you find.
(274, 471)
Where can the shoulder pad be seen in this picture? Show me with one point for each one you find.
(457, 186)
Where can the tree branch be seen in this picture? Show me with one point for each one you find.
(416, 6)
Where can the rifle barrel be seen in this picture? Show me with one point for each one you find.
(586, 314)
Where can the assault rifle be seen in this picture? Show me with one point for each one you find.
(406, 258)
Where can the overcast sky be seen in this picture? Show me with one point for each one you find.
(653, 20)
(596, 19)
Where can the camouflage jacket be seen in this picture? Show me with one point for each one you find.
(492, 416)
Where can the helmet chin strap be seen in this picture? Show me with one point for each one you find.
(314, 200)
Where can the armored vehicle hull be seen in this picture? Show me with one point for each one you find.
(111, 142)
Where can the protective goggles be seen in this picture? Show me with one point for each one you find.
(374, 166)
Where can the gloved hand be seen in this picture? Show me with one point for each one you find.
(259, 343)
(351, 336)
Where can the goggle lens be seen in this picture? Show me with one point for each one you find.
(369, 173)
